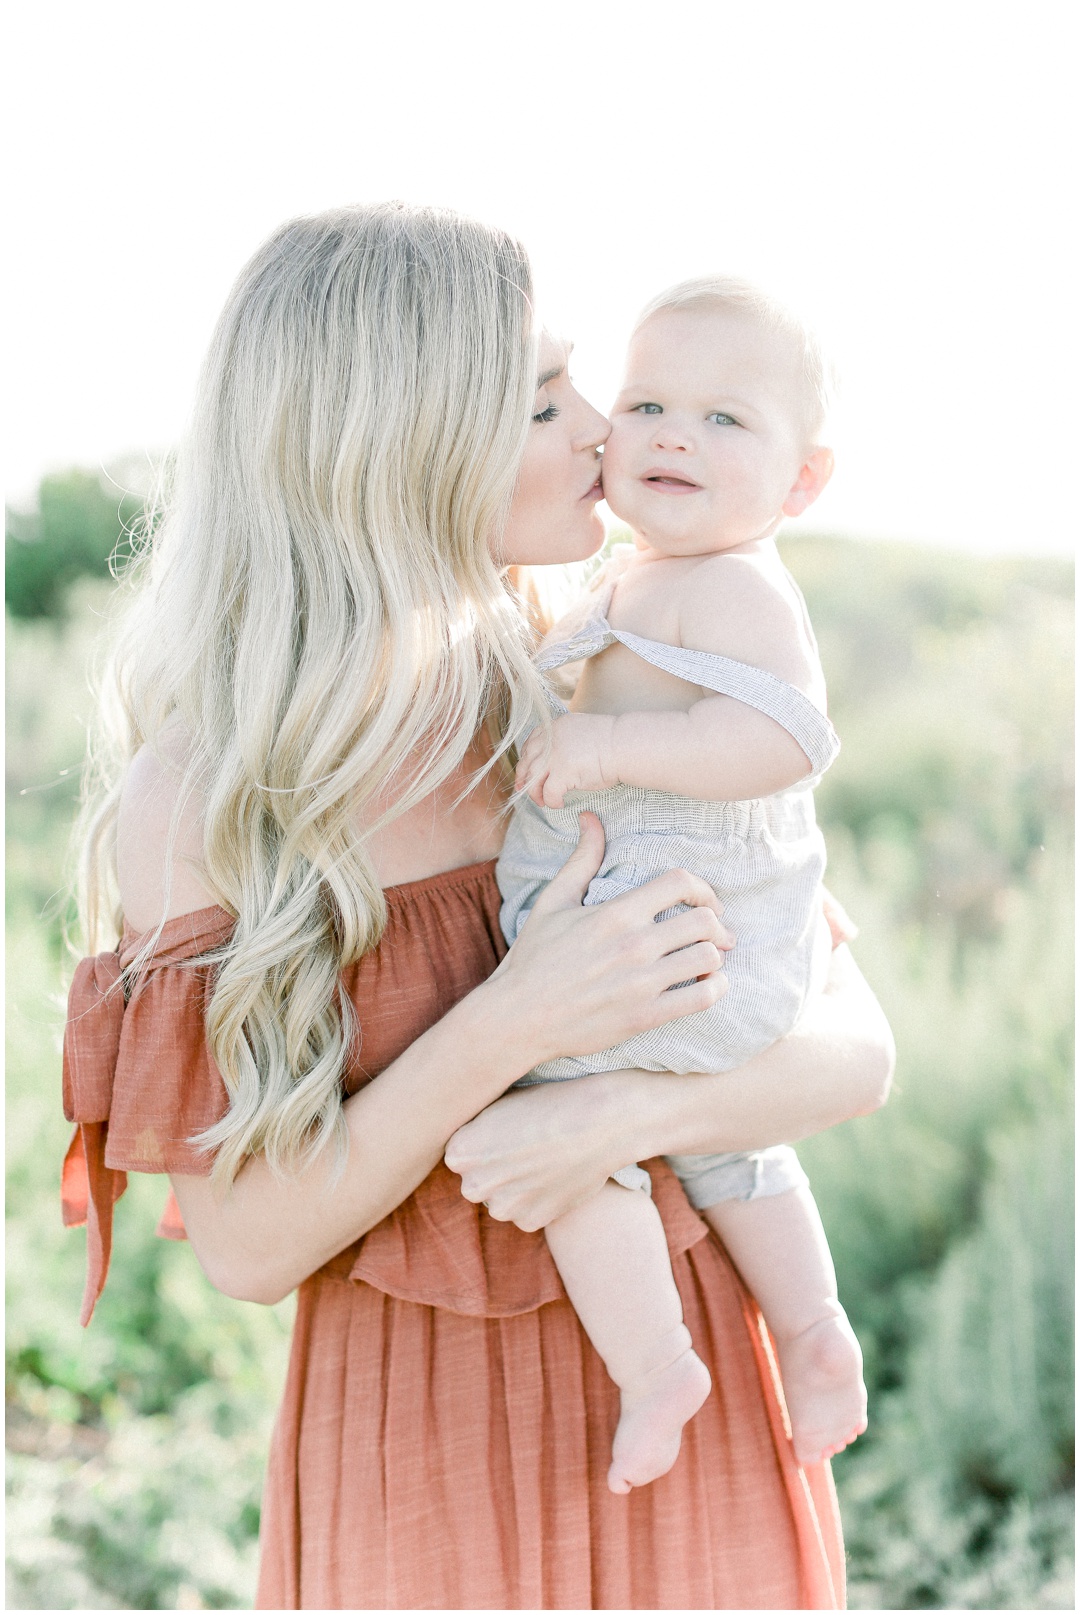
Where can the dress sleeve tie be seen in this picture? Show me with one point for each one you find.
(89, 1188)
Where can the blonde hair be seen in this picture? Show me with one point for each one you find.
(321, 616)
(730, 294)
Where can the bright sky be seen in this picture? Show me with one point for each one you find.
(896, 170)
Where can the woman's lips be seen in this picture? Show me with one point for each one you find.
(596, 492)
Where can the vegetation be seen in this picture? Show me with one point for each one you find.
(136, 1447)
(948, 817)
(82, 521)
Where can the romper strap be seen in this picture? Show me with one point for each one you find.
(777, 699)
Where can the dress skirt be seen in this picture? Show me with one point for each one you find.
(445, 1432)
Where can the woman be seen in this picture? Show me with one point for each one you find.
(318, 689)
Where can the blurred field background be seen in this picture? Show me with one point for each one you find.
(136, 1447)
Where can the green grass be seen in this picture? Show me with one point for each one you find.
(136, 1447)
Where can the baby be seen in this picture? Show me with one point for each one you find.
(697, 731)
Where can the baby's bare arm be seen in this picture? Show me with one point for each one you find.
(721, 750)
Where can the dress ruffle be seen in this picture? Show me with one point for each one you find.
(139, 1080)
(441, 1251)
(140, 1083)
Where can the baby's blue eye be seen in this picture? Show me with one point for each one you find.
(721, 419)
(648, 409)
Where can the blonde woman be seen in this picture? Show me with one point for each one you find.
(316, 696)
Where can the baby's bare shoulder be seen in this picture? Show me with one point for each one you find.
(743, 606)
(147, 851)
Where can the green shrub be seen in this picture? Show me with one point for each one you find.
(989, 1380)
(82, 522)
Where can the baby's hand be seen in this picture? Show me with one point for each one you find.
(579, 758)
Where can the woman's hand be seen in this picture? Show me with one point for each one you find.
(539, 1151)
(842, 927)
(578, 980)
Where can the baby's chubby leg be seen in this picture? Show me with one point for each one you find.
(779, 1246)
(613, 1259)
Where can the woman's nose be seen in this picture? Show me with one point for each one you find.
(594, 428)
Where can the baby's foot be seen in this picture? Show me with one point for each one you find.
(822, 1373)
(654, 1410)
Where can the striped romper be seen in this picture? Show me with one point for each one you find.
(764, 858)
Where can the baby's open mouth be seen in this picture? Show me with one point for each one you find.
(663, 479)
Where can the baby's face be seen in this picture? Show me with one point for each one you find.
(708, 434)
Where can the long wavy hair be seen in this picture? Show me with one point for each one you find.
(319, 617)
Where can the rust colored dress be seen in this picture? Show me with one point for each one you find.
(446, 1426)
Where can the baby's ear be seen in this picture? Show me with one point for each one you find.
(812, 478)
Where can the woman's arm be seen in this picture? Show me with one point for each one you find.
(567, 975)
(265, 1234)
(595, 975)
(529, 1165)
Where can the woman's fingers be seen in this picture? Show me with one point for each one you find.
(517, 1204)
(702, 960)
(841, 926)
(530, 1202)
(533, 1153)
(670, 890)
(583, 978)
(688, 999)
(569, 886)
(539, 1151)
(471, 1186)
(463, 1157)
(485, 1181)
(694, 925)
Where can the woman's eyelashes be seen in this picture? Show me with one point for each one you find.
(547, 414)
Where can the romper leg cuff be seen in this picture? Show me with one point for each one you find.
(633, 1177)
(749, 1175)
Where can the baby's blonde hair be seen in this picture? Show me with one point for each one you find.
(321, 619)
(733, 295)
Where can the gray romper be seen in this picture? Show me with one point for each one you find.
(764, 858)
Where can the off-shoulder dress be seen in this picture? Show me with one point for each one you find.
(446, 1426)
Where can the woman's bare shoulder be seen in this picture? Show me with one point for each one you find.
(159, 880)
